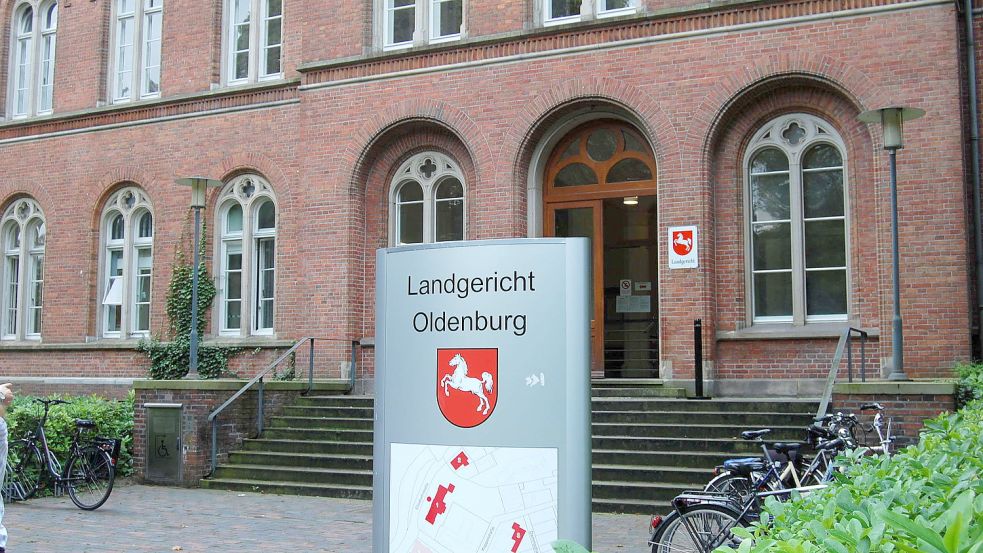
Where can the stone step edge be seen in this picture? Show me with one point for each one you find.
(287, 468)
(283, 484)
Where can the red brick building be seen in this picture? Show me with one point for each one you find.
(343, 127)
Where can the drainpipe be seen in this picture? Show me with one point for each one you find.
(974, 142)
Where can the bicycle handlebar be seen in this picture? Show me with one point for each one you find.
(51, 401)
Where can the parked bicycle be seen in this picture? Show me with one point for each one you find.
(87, 475)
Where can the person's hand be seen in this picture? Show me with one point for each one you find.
(7, 393)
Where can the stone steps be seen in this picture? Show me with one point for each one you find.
(648, 445)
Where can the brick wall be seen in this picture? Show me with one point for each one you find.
(908, 405)
(328, 153)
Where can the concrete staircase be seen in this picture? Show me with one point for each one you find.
(649, 443)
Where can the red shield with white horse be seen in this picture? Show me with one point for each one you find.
(467, 385)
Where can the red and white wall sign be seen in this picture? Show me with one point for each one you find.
(683, 248)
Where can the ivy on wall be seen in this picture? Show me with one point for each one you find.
(170, 359)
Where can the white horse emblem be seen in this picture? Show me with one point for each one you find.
(460, 380)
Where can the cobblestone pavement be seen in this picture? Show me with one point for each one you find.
(150, 519)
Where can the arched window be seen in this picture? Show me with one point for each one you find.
(246, 257)
(427, 201)
(33, 58)
(797, 227)
(127, 264)
(22, 234)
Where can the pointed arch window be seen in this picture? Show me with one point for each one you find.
(427, 201)
(22, 235)
(127, 264)
(246, 257)
(796, 209)
(32, 64)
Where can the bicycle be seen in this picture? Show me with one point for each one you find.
(781, 468)
(87, 475)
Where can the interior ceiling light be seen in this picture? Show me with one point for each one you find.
(631, 200)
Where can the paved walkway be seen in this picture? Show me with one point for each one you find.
(150, 519)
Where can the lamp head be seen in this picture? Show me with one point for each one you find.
(892, 123)
(198, 187)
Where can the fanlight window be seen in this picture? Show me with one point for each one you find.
(428, 200)
(600, 156)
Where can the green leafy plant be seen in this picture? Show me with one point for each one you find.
(927, 498)
(169, 359)
(568, 546)
(970, 384)
(113, 418)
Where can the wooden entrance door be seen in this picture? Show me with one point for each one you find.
(600, 184)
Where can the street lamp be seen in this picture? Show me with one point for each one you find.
(198, 187)
(892, 122)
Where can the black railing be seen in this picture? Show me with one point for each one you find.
(259, 382)
(845, 345)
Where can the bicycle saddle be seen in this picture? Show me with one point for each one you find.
(786, 448)
(754, 434)
(84, 423)
(872, 407)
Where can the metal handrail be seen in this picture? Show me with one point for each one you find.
(213, 416)
(844, 345)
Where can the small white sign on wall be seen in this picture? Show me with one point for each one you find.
(683, 248)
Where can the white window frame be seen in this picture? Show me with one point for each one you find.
(772, 136)
(426, 24)
(411, 170)
(130, 203)
(249, 192)
(589, 9)
(256, 71)
(28, 49)
(21, 215)
(141, 49)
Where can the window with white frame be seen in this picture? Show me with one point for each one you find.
(127, 233)
(415, 22)
(33, 60)
(22, 235)
(254, 40)
(797, 225)
(136, 49)
(246, 257)
(556, 12)
(427, 200)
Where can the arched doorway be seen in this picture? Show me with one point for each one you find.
(600, 183)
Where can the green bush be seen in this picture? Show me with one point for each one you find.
(926, 498)
(114, 419)
(970, 384)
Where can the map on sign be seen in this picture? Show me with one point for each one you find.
(446, 499)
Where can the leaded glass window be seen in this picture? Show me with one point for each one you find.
(428, 200)
(797, 222)
(22, 241)
(127, 266)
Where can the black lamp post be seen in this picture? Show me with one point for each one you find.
(892, 122)
(198, 185)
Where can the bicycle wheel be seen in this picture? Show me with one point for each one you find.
(90, 478)
(701, 529)
(24, 470)
(735, 485)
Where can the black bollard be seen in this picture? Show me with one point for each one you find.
(698, 359)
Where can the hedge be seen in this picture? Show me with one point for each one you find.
(113, 418)
(926, 498)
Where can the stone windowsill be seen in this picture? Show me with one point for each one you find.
(791, 332)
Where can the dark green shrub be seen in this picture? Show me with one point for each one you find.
(926, 498)
(970, 385)
(113, 418)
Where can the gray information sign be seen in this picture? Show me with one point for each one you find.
(482, 405)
